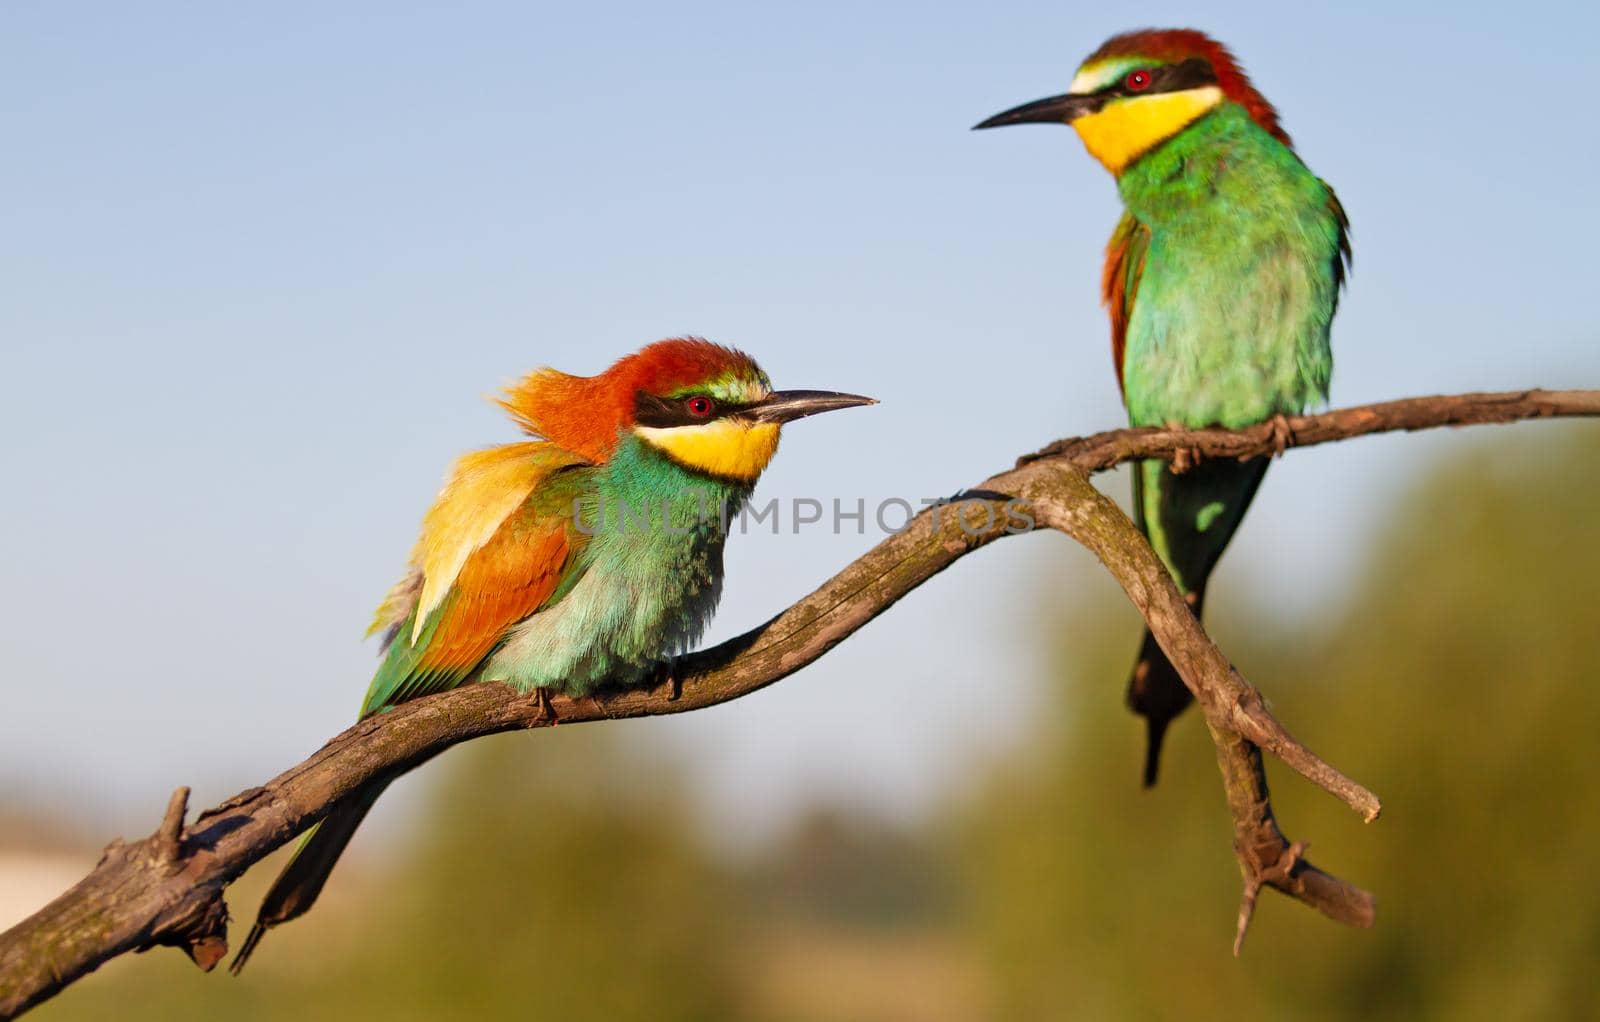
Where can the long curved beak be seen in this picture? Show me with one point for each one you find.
(1063, 109)
(788, 405)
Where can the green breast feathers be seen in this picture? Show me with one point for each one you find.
(1235, 253)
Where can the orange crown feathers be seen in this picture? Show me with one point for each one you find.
(585, 414)
(1175, 45)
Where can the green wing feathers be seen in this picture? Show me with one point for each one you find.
(1342, 261)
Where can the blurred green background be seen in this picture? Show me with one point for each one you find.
(569, 877)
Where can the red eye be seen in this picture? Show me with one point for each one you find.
(698, 406)
(1137, 81)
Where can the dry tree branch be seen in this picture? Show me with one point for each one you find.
(1106, 450)
(166, 889)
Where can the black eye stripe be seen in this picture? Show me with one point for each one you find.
(665, 412)
(1190, 74)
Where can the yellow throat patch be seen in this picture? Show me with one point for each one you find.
(1125, 128)
(726, 448)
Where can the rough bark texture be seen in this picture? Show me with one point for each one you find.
(166, 889)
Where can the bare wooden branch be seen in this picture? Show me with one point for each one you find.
(169, 837)
(1107, 450)
(167, 888)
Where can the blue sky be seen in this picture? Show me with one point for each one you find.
(263, 262)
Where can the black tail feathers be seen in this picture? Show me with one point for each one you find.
(1158, 694)
(297, 887)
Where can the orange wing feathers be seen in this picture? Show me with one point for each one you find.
(1119, 281)
(490, 554)
(485, 488)
(500, 584)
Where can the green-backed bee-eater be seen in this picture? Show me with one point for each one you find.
(1221, 279)
(583, 559)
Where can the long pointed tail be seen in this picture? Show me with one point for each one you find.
(1189, 518)
(1158, 694)
(297, 887)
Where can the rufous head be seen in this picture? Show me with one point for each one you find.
(708, 407)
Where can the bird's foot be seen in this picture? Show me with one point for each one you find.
(667, 673)
(1184, 458)
(546, 714)
(1280, 433)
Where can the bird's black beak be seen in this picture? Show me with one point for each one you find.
(788, 405)
(1062, 109)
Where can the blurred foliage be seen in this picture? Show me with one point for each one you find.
(567, 882)
(838, 868)
(568, 878)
